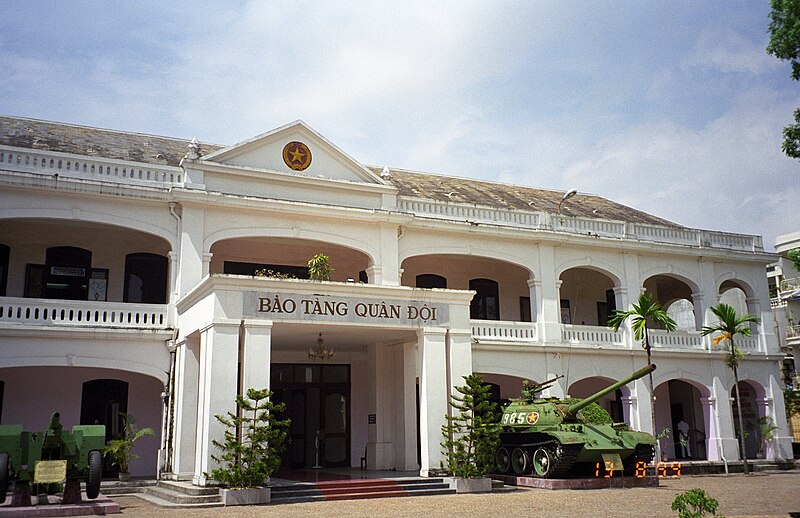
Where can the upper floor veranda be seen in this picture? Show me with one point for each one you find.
(91, 240)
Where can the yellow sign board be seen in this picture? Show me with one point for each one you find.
(50, 472)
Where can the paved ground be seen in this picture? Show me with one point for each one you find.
(764, 494)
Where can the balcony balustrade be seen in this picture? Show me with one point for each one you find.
(506, 331)
(103, 169)
(82, 313)
(676, 339)
(592, 335)
(477, 214)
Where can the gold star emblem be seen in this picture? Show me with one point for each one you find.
(297, 156)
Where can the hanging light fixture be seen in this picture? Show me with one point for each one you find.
(321, 352)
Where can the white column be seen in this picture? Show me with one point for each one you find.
(191, 253)
(459, 350)
(535, 289)
(781, 447)
(432, 398)
(257, 354)
(406, 443)
(629, 412)
(219, 352)
(726, 430)
(713, 444)
(380, 448)
(643, 405)
(184, 432)
(549, 311)
(386, 270)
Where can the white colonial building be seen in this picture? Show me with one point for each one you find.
(127, 284)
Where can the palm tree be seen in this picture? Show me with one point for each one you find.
(731, 324)
(645, 310)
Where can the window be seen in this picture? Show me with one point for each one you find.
(430, 280)
(145, 278)
(525, 309)
(485, 304)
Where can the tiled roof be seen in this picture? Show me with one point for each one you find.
(84, 140)
(507, 196)
(151, 149)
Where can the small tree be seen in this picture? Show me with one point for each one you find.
(766, 427)
(121, 448)
(644, 310)
(695, 503)
(319, 268)
(254, 441)
(472, 434)
(731, 324)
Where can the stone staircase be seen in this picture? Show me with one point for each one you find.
(357, 489)
(167, 493)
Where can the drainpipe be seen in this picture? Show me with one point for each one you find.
(169, 412)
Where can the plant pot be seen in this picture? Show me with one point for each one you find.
(124, 476)
(470, 485)
(253, 496)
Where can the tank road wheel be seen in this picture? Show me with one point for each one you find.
(520, 461)
(543, 463)
(503, 460)
(4, 472)
(95, 474)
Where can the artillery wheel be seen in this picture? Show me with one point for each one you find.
(95, 474)
(544, 463)
(503, 460)
(520, 461)
(4, 472)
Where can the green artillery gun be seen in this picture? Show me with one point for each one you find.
(550, 438)
(52, 456)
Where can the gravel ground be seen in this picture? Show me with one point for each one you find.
(763, 494)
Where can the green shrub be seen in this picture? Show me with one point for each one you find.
(695, 503)
(594, 413)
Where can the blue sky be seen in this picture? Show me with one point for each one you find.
(671, 107)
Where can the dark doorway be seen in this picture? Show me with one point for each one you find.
(4, 255)
(103, 401)
(145, 278)
(485, 304)
(67, 270)
(317, 399)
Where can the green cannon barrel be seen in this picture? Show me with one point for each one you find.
(577, 407)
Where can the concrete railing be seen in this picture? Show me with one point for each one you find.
(591, 335)
(478, 214)
(676, 339)
(505, 331)
(82, 313)
(102, 169)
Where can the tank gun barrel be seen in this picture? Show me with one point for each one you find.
(577, 407)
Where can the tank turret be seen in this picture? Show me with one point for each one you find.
(572, 410)
(551, 438)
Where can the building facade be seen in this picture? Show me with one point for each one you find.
(128, 284)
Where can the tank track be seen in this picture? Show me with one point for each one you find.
(563, 462)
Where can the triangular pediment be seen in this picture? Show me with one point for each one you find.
(294, 149)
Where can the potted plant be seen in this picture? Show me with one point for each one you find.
(319, 268)
(471, 436)
(767, 428)
(251, 449)
(121, 448)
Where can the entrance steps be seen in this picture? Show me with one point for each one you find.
(358, 489)
(166, 493)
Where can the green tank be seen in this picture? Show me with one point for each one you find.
(550, 438)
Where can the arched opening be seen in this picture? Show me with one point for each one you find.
(284, 256)
(616, 403)
(751, 412)
(682, 420)
(511, 302)
(587, 297)
(72, 260)
(732, 294)
(675, 297)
